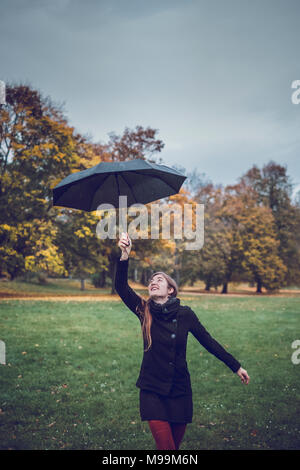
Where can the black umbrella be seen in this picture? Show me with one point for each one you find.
(139, 180)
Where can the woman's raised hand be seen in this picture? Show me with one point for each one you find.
(125, 245)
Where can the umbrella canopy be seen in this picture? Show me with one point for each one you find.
(139, 180)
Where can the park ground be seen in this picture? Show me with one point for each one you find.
(72, 360)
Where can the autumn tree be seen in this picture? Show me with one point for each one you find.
(273, 189)
(37, 149)
(184, 264)
(83, 253)
(134, 143)
(253, 241)
(211, 260)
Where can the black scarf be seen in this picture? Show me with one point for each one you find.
(165, 311)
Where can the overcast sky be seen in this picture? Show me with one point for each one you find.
(213, 76)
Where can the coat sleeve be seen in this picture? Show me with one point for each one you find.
(127, 294)
(204, 338)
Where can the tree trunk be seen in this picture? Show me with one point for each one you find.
(113, 276)
(225, 286)
(258, 286)
(82, 284)
(177, 266)
(144, 277)
(177, 277)
(102, 278)
(207, 285)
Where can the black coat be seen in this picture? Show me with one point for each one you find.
(164, 367)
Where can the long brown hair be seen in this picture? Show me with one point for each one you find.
(144, 308)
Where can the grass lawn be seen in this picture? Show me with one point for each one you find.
(52, 287)
(71, 368)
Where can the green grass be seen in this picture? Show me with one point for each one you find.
(71, 368)
(63, 287)
(52, 287)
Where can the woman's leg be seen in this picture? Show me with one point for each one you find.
(178, 431)
(162, 433)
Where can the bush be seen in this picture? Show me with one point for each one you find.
(98, 279)
(33, 277)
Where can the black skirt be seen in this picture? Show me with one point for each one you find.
(174, 409)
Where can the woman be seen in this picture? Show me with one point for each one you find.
(164, 380)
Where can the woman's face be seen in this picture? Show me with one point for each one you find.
(158, 287)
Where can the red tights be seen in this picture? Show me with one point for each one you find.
(167, 436)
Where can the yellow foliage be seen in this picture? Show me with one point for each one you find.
(5, 227)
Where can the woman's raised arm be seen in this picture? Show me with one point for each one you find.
(130, 298)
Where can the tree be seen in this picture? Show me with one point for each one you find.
(253, 238)
(138, 143)
(37, 149)
(211, 260)
(83, 253)
(273, 189)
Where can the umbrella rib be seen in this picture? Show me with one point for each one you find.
(131, 189)
(91, 205)
(154, 176)
(116, 178)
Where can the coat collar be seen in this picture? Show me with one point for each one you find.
(167, 310)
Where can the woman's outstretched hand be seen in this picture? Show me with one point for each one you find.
(125, 245)
(242, 373)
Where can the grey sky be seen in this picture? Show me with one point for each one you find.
(214, 76)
